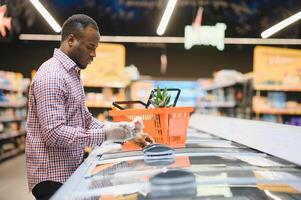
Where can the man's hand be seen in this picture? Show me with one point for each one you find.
(128, 131)
(119, 131)
(142, 140)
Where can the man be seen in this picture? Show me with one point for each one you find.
(59, 124)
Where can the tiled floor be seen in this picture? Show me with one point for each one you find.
(13, 182)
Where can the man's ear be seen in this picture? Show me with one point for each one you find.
(71, 40)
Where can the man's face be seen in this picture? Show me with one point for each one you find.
(83, 49)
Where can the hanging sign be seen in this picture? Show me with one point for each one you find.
(277, 68)
(205, 35)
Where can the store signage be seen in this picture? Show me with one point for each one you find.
(107, 67)
(278, 67)
(205, 35)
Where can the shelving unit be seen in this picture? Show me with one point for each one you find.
(10, 154)
(100, 105)
(9, 135)
(277, 111)
(284, 110)
(217, 104)
(277, 85)
(99, 98)
(3, 120)
(114, 84)
(13, 103)
(232, 98)
(277, 88)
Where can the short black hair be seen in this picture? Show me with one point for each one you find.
(76, 24)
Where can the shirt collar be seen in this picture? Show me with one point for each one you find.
(67, 62)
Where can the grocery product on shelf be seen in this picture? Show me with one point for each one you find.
(13, 89)
(296, 121)
(277, 99)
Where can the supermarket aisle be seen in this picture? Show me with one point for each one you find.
(13, 182)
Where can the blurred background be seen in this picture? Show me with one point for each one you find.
(215, 51)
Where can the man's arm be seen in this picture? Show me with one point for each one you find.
(50, 95)
(91, 122)
(95, 128)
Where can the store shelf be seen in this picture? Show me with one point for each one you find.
(8, 88)
(217, 104)
(12, 105)
(246, 77)
(278, 111)
(219, 86)
(12, 89)
(108, 85)
(102, 105)
(9, 154)
(277, 88)
(12, 119)
(4, 136)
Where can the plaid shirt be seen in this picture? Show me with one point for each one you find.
(59, 124)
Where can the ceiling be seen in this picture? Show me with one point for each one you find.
(244, 18)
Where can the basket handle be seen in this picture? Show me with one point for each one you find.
(168, 89)
(117, 103)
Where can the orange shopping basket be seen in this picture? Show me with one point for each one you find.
(166, 125)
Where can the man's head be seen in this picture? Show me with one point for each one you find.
(80, 38)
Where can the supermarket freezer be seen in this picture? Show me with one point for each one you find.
(209, 167)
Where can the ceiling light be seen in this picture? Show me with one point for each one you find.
(267, 33)
(166, 16)
(46, 15)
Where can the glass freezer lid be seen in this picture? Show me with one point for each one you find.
(229, 182)
(213, 144)
(229, 157)
(187, 150)
(205, 163)
(201, 193)
(200, 136)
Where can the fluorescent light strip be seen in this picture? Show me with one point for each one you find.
(40, 37)
(260, 41)
(46, 15)
(267, 33)
(166, 16)
(166, 40)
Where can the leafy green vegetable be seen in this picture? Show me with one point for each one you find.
(160, 99)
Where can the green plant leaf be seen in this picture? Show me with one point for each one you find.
(160, 99)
